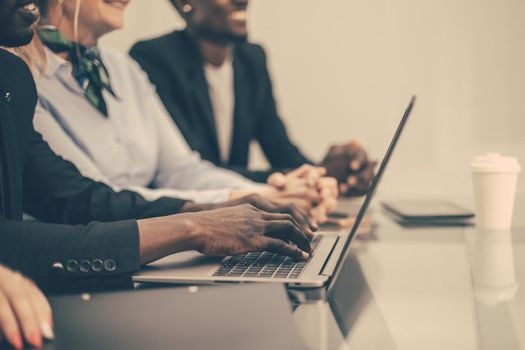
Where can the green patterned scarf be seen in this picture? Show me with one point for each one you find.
(88, 68)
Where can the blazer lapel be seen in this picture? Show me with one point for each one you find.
(242, 118)
(10, 183)
(200, 102)
(2, 157)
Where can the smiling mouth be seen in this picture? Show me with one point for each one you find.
(30, 7)
(29, 11)
(239, 16)
(117, 4)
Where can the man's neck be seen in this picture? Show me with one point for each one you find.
(213, 53)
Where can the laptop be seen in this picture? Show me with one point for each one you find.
(328, 251)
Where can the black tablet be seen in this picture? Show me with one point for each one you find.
(427, 209)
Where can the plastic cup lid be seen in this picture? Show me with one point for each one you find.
(495, 163)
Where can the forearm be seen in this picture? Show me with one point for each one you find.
(160, 237)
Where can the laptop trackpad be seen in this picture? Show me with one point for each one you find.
(183, 260)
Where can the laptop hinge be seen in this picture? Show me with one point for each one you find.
(330, 262)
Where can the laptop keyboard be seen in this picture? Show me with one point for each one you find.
(264, 264)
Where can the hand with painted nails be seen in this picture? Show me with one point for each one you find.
(25, 314)
(350, 165)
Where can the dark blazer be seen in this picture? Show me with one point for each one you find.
(35, 180)
(175, 65)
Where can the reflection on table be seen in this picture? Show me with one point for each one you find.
(424, 288)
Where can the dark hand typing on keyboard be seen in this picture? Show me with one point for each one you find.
(247, 228)
(301, 217)
(263, 265)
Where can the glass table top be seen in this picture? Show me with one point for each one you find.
(424, 288)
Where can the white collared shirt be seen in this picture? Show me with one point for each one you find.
(138, 147)
(222, 96)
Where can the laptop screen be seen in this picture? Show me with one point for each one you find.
(369, 195)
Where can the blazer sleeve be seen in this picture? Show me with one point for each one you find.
(55, 191)
(62, 258)
(275, 142)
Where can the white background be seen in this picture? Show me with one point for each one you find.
(345, 69)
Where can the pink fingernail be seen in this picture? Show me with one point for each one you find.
(36, 340)
(16, 340)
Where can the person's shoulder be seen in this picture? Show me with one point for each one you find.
(110, 55)
(13, 64)
(15, 72)
(252, 52)
(7, 57)
(126, 74)
(119, 63)
(154, 45)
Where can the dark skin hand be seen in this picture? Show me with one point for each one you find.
(299, 216)
(352, 168)
(245, 228)
(221, 232)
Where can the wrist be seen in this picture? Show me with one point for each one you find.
(260, 189)
(190, 207)
(191, 233)
(159, 237)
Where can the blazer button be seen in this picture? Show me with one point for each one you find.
(7, 97)
(57, 266)
(72, 265)
(110, 265)
(97, 265)
(85, 266)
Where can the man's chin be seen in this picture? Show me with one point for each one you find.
(223, 38)
(239, 38)
(16, 39)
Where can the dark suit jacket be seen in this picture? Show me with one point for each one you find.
(175, 65)
(35, 180)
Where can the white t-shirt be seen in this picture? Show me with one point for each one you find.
(222, 95)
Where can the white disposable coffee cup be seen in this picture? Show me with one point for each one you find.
(492, 266)
(495, 180)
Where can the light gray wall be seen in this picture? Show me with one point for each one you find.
(345, 69)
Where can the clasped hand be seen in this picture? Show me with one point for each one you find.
(350, 165)
(308, 188)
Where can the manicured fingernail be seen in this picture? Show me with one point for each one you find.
(305, 255)
(35, 340)
(355, 165)
(47, 331)
(16, 340)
